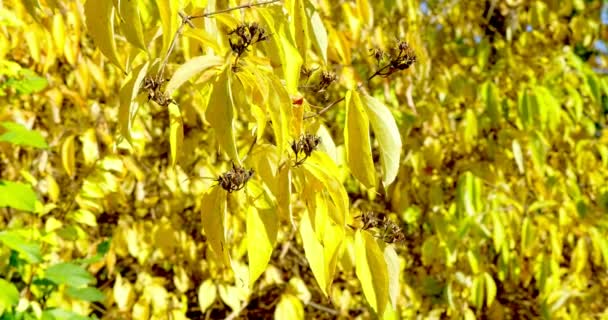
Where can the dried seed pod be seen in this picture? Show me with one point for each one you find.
(235, 179)
(306, 144)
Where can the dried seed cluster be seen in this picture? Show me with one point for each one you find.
(400, 57)
(155, 93)
(245, 35)
(385, 228)
(235, 179)
(306, 145)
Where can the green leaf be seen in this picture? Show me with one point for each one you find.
(357, 141)
(490, 289)
(372, 271)
(489, 96)
(213, 209)
(60, 314)
(70, 274)
(262, 230)
(469, 194)
(17, 195)
(220, 114)
(87, 294)
(9, 295)
(30, 251)
(388, 137)
(477, 292)
(20, 135)
(28, 84)
(100, 24)
(190, 69)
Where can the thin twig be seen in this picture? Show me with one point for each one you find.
(244, 6)
(320, 307)
(378, 72)
(322, 111)
(161, 70)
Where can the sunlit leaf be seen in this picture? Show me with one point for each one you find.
(262, 229)
(490, 289)
(19, 135)
(289, 307)
(29, 250)
(357, 141)
(207, 294)
(128, 105)
(176, 131)
(131, 25)
(100, 24)
(213, 209)
(220, 114)
(393, 268)
(9, 296)
(86, 294)
(69, 273)
(17, 195)
(190, 69)
(372, 271)
(388, 137)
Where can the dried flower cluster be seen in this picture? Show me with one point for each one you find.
(400, 57)
(235, 179)
(306, 145)
(385, 228)
(153, 88)
(245, 35)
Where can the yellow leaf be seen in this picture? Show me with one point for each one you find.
(299, 25)
(388, 137)
(123, 293)
(100, 23)
(90, 149)
(284, 194)
(213, 209)
(313, 250)
(289, 308)
(59, 33)
(262, 229)
(131, 22)
(280, 48)
(371, 269)
(490, 289)
(207, 294)
(518, 155)
(53, 188)
(220, 114)
(365, 12)
(128, 105)
(191, 68)
(169, 21)
(176, 131)
(357, 141)
(203, 37)
(319, 33)
(68, 156)
(279, 107)
(319, 166)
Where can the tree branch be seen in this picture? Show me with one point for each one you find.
(322, 111)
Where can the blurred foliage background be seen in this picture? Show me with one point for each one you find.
(501, 193)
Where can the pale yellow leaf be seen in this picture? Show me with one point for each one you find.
(59, 33)
(190, 69)
(393, 268)
(318, 31)
(207, 294)
(279, 108)
(289, 308)
(388, 137)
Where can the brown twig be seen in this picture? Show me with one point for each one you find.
(243, 6)
(322, 111)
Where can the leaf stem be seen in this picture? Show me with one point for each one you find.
(322, 111)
